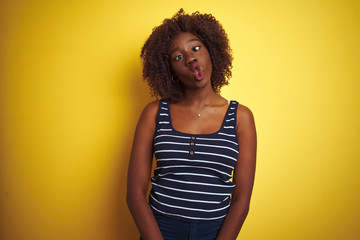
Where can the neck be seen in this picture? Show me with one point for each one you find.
(199, 97)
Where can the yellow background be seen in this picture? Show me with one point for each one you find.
(71, 93)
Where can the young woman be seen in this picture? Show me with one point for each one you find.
(204, 145)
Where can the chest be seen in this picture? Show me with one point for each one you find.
(208, 120)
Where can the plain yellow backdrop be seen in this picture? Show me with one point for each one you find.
(71, 93)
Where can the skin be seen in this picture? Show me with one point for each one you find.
(199, 97)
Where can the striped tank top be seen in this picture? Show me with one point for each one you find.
(192, 178)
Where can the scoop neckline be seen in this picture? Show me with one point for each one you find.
(199, 134)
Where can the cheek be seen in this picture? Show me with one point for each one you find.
(178, 69)
(208, 58)
(209, 62)
(174, 68)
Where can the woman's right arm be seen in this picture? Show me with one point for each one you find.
(139, 173)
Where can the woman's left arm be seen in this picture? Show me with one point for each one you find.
(243, 176)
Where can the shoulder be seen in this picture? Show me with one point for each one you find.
(152, 107)
(244, 119)
(149, 112)
(244, 112)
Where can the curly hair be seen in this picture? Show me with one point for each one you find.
(155, 53)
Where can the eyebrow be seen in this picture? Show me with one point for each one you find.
(191, 40)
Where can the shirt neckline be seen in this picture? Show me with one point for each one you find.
(199, 134)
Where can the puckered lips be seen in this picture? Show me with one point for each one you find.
(195, 68)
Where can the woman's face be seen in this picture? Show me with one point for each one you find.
(190, 61)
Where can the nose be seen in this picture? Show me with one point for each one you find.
(190, 59)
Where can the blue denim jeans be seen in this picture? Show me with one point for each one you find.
(174, 229)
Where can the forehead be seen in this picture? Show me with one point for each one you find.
(183, 38)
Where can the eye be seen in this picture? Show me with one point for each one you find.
(196, 48)
(178, 57)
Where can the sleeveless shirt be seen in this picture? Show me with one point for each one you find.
(192, 178)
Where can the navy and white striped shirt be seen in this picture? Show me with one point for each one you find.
(192, 177)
